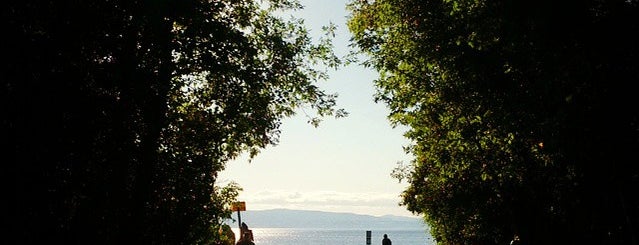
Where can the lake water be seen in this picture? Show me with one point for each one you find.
(292, 236)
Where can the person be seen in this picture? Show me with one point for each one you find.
(386, 241)
(245, 232)
(246, 235)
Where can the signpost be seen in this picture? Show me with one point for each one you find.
(368, 237)
(239, 206)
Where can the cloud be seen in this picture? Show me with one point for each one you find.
(294, 196)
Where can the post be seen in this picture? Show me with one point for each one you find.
(239, 206)
(239, 219)
(239, 223)
(368, 237)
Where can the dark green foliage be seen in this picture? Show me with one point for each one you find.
(523, 115)
(118, 115)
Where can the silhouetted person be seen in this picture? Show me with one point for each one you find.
(386, 241)
(246, 238)
(246, 234)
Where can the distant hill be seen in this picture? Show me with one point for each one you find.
(285, 218)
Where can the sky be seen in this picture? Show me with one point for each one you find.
(343, 165)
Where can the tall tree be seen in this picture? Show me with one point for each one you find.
(120, 114)
(521, 114)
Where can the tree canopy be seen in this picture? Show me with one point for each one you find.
(522, 115)
(118, 115)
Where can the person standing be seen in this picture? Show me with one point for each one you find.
(386, 241)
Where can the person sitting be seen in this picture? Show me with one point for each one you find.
(246, 235)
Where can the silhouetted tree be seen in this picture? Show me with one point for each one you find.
(119, 114)
(523, 115)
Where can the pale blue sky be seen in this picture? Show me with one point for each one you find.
(343, 165)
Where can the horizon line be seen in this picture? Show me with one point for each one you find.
(335, 212)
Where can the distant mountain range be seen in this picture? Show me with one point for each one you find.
(286, 218)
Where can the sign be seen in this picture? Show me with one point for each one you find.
(238, 206)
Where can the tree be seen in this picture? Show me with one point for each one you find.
(119, 114)
(520, 114)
